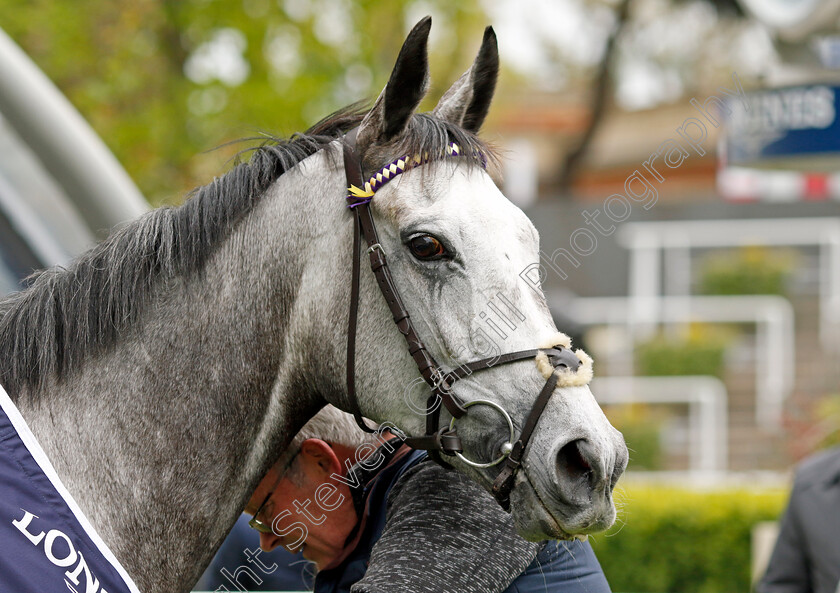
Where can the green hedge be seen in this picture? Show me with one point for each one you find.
(682, 541)
(699, 350)
(748, 270)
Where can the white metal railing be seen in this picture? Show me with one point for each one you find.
(775, 336)
(707, 401)
(651, 242)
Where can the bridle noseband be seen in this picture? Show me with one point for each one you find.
(437, 440)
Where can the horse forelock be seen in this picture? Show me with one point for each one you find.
(66, 314)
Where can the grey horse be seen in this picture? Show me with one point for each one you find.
(167, 368)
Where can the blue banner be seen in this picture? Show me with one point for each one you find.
(46, 543)
(794, 126)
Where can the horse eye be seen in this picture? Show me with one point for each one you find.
(426, 247)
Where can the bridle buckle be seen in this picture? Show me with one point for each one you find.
(448, 442)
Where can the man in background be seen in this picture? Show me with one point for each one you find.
(806, 558)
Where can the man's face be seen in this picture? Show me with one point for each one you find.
(300, 521)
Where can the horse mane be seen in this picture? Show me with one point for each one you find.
(65, 314)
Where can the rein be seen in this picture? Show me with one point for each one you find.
(437, 440)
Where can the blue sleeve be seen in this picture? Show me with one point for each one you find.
(567, 566)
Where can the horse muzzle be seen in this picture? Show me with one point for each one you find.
(569, 492)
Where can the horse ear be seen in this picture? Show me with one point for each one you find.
(466, 103)
(405, 89)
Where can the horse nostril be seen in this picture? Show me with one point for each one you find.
(573, 464)
(620, 465)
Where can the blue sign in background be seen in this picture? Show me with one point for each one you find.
(787, 123)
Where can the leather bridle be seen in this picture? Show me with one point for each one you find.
(437, 439)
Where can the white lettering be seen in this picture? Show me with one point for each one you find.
(23, 524)
(809, 108)
(91, 582)
(368, 457)
(738, 92)
(323, 495)
(52, 535)
(55, 555)
(296, 526)
(694, 139)
(353, 481)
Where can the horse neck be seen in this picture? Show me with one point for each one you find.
(162, 437)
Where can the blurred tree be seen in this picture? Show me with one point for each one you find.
(163, 81)
(600, 93)
(643, 53)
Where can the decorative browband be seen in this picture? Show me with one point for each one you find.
(358, 196)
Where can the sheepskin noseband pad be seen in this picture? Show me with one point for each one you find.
(566, 377)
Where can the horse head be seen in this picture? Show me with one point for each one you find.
(456, 248)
